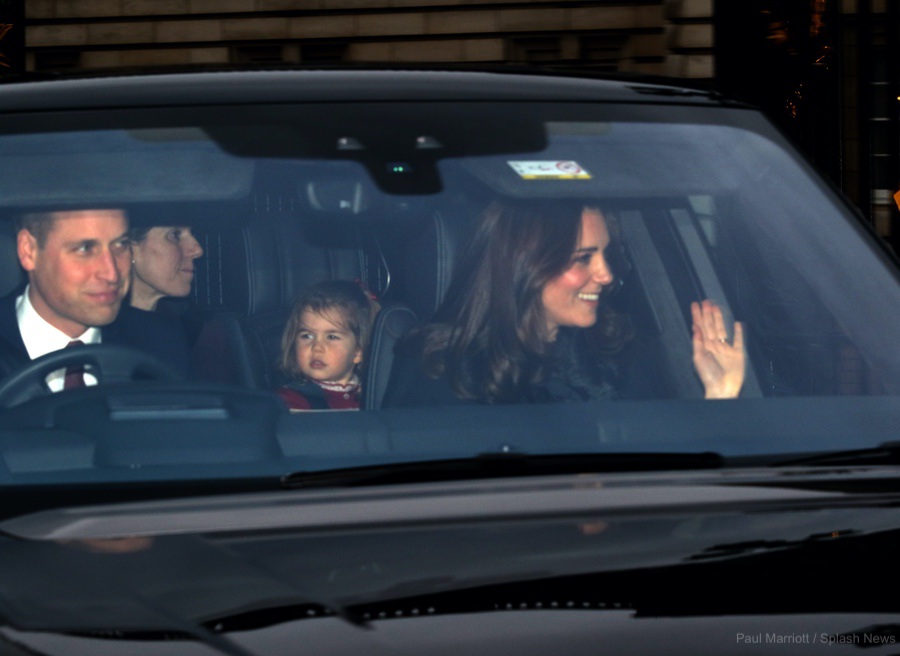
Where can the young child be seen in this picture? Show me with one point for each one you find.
(323, 344)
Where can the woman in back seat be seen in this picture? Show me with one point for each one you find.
(162, 259)
(162, 266)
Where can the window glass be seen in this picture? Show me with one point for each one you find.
(698, 204)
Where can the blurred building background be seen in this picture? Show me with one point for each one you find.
(825, 70)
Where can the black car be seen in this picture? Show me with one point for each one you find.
(159, 512)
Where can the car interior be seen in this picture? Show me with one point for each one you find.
(261, 251)
(251, 273)
(282, 212)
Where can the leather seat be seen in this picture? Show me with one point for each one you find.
(264, 266)
(12, 277)
(392, 323)
(425, 268)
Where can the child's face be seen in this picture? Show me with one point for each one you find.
(326, 351)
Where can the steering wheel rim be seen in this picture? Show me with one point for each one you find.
(109, 363)
(11, 359)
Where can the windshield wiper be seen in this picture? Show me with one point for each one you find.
(500, 465)
(887, 453)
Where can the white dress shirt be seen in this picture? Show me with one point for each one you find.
(41, 338)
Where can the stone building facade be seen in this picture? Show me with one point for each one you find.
(837, 94)
(664, 37)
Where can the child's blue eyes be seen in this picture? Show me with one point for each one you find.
(331, 336)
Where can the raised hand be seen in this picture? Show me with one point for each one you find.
(720, 364)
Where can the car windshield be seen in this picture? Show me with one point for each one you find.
(692, 206)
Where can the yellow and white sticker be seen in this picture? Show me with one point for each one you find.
(550, 170)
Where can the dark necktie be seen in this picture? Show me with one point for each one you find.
(74, 373)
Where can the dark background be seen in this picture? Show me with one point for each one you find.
(829, 79)
(12, 36)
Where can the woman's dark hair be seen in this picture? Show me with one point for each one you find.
(355, 308)
(139, 233)
(490, 335)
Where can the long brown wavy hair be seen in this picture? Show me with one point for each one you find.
(490, 336)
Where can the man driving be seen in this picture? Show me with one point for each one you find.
(78, 264)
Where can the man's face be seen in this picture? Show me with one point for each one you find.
(80, 275)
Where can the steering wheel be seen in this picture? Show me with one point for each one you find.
(11, 359)
(108, 364)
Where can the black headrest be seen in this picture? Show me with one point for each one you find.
(12, 275)
(273, 258)
(432, 260)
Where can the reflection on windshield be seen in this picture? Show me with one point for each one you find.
(533, 282)
(226, 583)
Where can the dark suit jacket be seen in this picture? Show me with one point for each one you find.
(151, 332)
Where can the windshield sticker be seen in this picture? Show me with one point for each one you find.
(550, 170)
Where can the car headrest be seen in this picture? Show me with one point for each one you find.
(269, 261)
(432, 260)
(12, 275)
(348, 196)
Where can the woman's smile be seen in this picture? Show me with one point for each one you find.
(571, 299)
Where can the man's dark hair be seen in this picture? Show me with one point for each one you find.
(39, 224)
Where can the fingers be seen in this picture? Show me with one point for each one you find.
(708, 317)
(697, 339)
(719, 331)
(719, 363)
(695, 313)
(738, 335)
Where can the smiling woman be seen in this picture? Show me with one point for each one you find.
(509, 331)
(571, 298)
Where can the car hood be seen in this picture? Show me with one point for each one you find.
(711, 562)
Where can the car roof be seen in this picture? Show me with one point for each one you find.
(174, 88)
